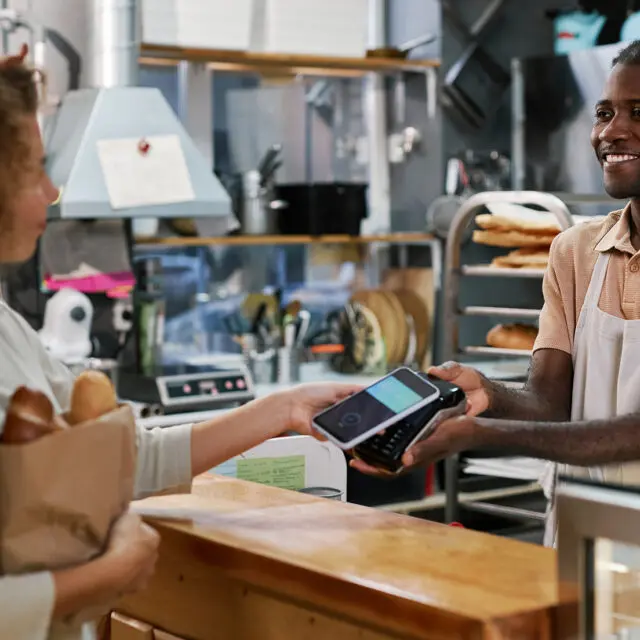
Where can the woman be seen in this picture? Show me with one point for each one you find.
(167, 458)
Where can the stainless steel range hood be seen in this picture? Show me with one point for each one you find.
(116, 110)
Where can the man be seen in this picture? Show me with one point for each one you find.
(581, 404)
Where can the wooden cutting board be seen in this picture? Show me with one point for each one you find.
(383, 311)
(400, 324)
(419, 281)
(416, 307)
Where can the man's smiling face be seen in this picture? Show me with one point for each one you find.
(616, 132)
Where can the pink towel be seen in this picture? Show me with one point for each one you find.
(115, 285)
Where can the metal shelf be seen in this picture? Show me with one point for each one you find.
(270, 240)
(487, 271)
(501, 312)
(503, 510)
(452, 313)
(492, 351)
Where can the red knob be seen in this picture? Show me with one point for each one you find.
(144, 147)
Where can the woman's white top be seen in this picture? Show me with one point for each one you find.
(164, 460)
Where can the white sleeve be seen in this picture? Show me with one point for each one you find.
(26, 606)
(60, 379)
(58, 376)
(164, 459)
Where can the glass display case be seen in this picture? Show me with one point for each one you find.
(598, 561)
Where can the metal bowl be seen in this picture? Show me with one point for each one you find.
(323, 492)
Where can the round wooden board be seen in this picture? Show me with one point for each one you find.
(400, 326)
(376, 350)
(417, 308)
(383, 311)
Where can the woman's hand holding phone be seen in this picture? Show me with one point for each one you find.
(306, 400)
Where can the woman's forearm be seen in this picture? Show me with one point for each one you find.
(217, 440)
(85, 587)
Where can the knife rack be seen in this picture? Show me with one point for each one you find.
(452, 311)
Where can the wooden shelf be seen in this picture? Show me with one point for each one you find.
(176, 241)
(221, 60)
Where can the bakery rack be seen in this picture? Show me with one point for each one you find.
(454, 271)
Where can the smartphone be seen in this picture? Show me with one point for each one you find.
(385, 450)
(375, 408)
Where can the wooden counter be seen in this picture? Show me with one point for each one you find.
(259, 563)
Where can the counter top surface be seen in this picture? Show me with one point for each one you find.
(362, 557)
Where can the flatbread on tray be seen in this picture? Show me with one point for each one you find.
(512, 239)
(523, 259)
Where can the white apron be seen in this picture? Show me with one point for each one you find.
(606, 383)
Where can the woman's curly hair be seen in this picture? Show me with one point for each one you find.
(18, 100)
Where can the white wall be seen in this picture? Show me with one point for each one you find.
(69, 18)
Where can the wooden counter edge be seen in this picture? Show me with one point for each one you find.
(327, 595)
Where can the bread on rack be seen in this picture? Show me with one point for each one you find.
(512, 239)
(513, 225)
(532, 258)
(523, 220)
(512, 336)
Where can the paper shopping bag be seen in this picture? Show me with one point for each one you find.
(59, 495)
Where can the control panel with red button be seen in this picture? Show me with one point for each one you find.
(205, 388)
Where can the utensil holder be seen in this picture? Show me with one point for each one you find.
(263, 366)
(288, 365)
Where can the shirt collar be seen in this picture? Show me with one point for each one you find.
(618, 235)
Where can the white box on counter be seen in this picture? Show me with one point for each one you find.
(198, 24)
(311, 27)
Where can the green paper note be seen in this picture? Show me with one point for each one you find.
(287, 472)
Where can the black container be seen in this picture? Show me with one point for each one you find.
(334, 208)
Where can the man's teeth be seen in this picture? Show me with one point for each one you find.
(621, 157)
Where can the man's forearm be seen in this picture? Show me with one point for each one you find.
(522, 404)
(546, 396)
(579, 443)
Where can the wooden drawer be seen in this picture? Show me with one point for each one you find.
(125, 628)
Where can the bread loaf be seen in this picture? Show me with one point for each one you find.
(512, 336)
(29, 417)
(93, 396)
(30, 414)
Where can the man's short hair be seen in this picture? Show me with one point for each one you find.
(629, 55)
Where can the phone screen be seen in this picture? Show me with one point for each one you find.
(363, 412)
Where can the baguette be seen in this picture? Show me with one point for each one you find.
(30, 416)
(93, 396)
